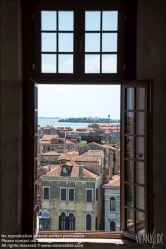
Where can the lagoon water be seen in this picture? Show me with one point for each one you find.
(54, 122)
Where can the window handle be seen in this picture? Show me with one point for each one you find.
(80, 47)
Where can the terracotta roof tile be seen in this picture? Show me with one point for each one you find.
(74, 172)
(115, 182)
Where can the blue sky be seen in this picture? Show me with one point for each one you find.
(66, 101)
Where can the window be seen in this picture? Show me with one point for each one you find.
(88, 195)
(112, 226)
(88, 44)
(38, 177)
(96, 194)
(38, 198)
(66, 222)
(63, 194)
(46, 193)
(44, 222)
(38, 187)
(112, 204)
(71, 194)
(66, 170)
(88, 222)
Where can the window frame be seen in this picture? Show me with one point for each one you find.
(111, 209)
(71, 188)
(89, 189)
(78, 65)
(61, 193)
(46, 187)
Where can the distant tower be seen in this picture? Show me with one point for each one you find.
(108, 116)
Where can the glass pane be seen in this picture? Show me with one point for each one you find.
(109, 42)
(48, 63)
(48, 42)
(129, 126)
(140, 196)
(130, 98)
(129, 191)
(140, 98)
(140, 148)
(92, 63)
(65, 63)
(140, 172)
(129, 220)
(129, 146)
(92, 42)
(129, 171)
(140, 123)
(65, 42)
(66, 20)
(92, 20)
(48, 20)
(110, 20)
(140, 222)
(109, 63)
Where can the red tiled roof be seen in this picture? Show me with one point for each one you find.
(74, 172)
(115, 182)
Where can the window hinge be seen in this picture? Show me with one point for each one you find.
(33, 16)
(124, 66)
(33, 66)
(125, 17)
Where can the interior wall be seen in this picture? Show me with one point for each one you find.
(151, 63)
(11, 117)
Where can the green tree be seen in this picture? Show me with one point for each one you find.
(95, 126)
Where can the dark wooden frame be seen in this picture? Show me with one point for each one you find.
(79, 8)
(28, 50)
(148, 192)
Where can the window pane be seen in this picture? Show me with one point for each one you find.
(112, 204)
(71, 194)
(140, 148)
(92, 42)
(140, 123)
(89, 196)
(129, 220)
(129, 171)
(48, 20)
(63, 194)
(48, 63)
(140, 172)
(66, 20)
(112, 226)
(46, 193)
(140, 97)
(109, 42)
(65, 63)
(110, 20)
(129, 191)
(65, 42)
(130, 99)
(140, 197)
(109, 63)
(129, 123)
(140, 222)
(129, 141)
(48, 42)
(92, 63)
(92, 20)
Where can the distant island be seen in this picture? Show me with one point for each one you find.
(49, 117)
(89, 120)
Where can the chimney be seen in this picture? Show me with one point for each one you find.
(81, 175)
(107, 178)
(111, 165)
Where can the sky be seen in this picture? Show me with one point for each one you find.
(67, 101)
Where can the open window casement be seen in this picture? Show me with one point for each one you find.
(136, 158)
